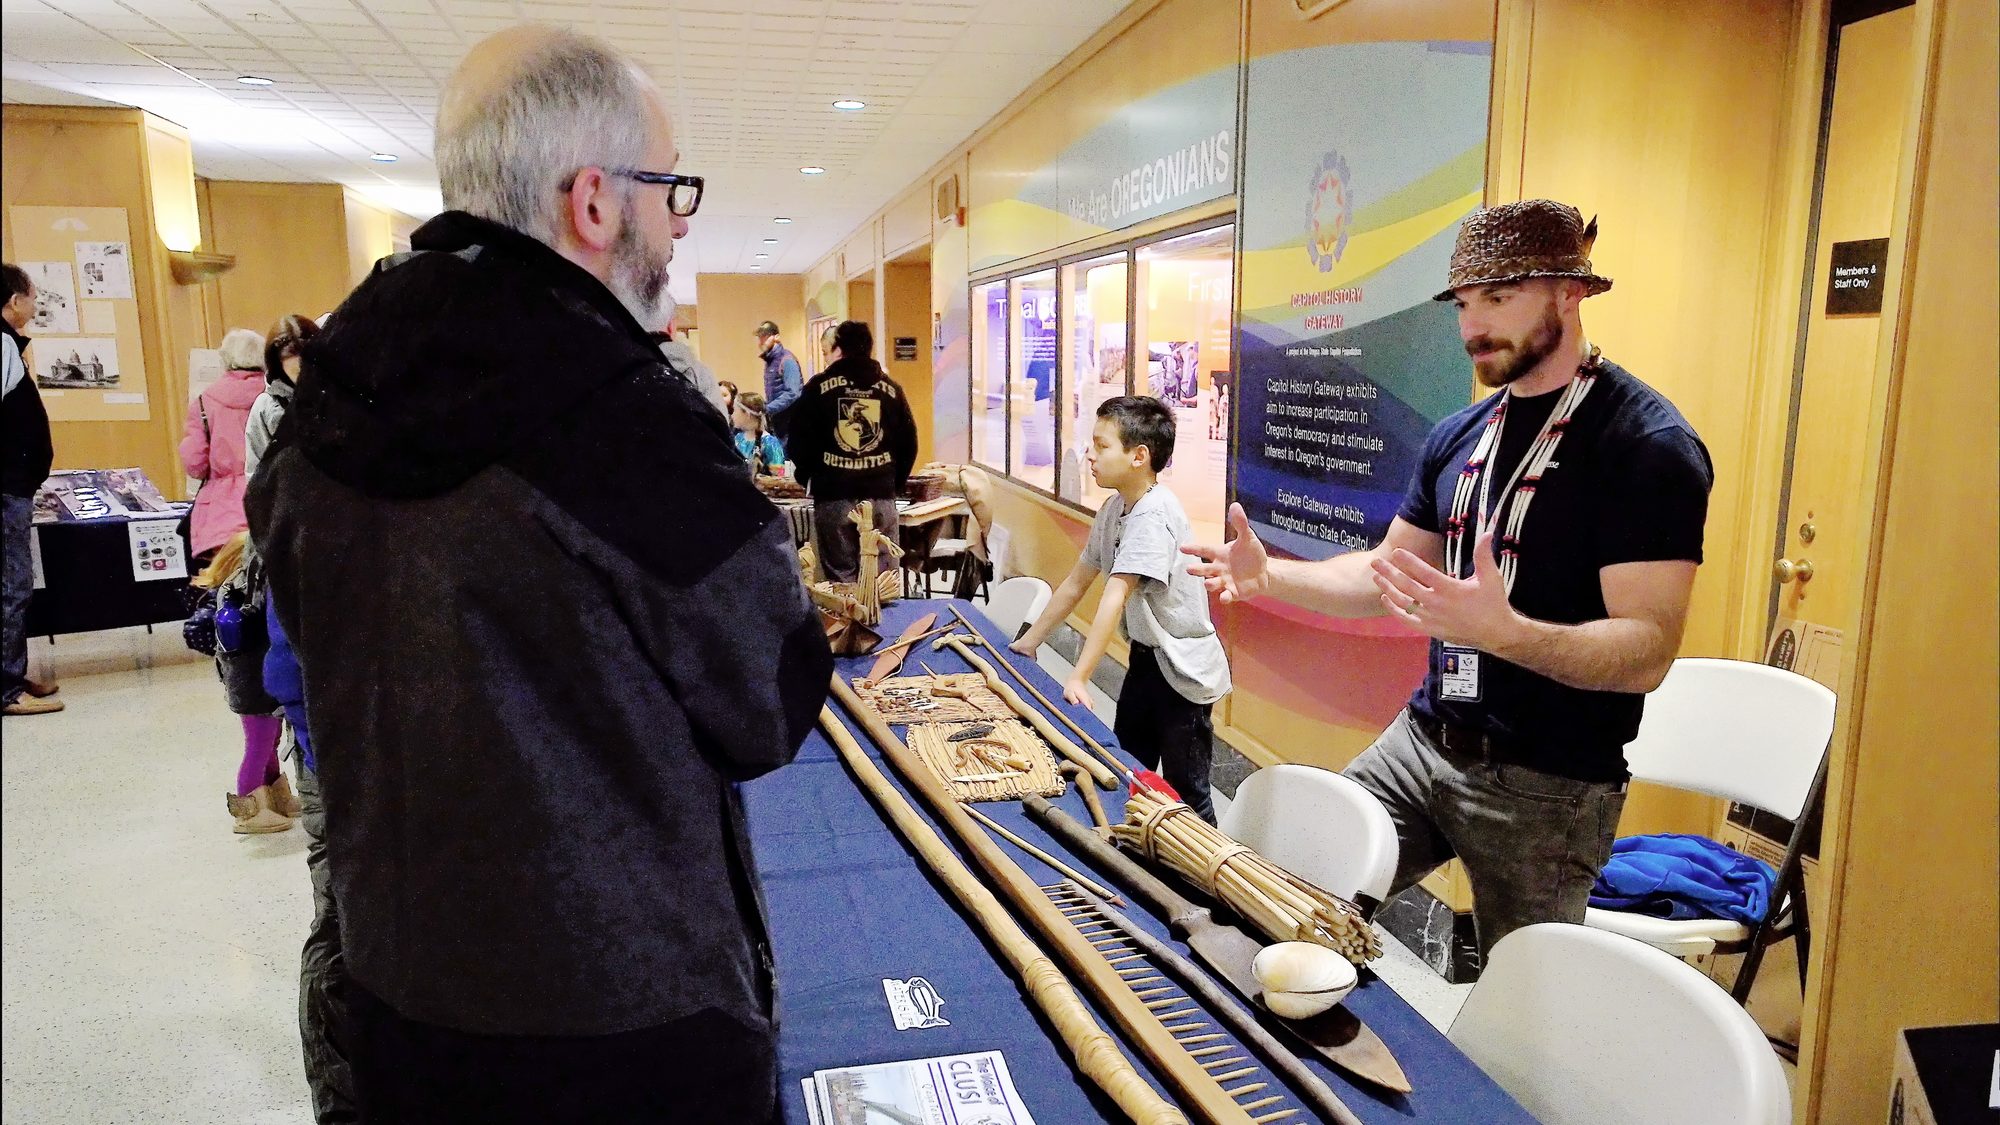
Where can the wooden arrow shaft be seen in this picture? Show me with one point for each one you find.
(1035, 718)
(1095, 746)
(1096, 1053)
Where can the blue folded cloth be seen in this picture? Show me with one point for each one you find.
(1681, 877)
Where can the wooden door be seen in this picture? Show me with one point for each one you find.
(1827, 514)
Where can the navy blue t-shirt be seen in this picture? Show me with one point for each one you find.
(1630, 484)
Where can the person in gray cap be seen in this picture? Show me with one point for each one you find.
(1546, 631)
(783, 379)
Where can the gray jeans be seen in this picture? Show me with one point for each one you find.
(19, 585)
(1532, 842)
(838, 541)
(324, 1022)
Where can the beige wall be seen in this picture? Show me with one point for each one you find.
(732, 305)
(292, 248)
(1912, 837)
(371, 236)
(91, 157)
(906, 303)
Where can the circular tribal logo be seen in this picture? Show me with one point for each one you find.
(1332, 212)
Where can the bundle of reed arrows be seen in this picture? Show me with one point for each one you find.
(1282, 905)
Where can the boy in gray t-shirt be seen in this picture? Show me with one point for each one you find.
(1178, 669)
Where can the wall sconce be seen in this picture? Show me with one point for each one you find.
(192, 267)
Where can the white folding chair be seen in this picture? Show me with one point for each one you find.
(1753, 734)
(1322, 827)
(1016, 603)
(1585, 1027)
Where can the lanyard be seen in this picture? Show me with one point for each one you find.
(1519, 491)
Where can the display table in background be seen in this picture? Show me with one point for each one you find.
(91, 583)
(850, 906)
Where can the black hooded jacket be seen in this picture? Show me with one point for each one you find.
(852, 435)
(545, 620)
(26, 451)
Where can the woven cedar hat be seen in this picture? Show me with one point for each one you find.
(1515, 241)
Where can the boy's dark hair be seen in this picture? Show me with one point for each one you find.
(18, 284)
(1142, 420)
(854, 339)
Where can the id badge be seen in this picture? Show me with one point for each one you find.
(1459, 674)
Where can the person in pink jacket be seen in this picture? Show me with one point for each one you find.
(212, 451)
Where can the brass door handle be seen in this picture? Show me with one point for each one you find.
(1786, 570)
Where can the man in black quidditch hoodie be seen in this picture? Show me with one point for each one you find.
(853, 439)
(533, 673)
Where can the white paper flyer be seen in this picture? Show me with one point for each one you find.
(106, 268)
(952, 1090)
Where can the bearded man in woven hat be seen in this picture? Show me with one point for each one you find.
(1547, 546)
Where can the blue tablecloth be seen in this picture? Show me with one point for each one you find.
(850, 905)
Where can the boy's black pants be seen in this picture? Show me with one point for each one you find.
(1166, 731)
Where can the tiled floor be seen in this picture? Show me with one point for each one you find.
(149, 955)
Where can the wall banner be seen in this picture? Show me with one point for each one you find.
(1157, 155)
(1360, 160)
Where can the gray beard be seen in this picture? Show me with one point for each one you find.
(638, 281)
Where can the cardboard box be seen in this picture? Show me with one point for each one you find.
(1946, 1076)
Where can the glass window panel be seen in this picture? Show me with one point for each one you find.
(1181, 342)
(1031, 386)
(1094, 366)
(989, 376)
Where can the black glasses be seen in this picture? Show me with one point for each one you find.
(683, 192)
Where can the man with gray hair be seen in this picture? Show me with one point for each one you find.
(534, 675)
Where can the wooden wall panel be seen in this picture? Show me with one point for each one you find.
(1915, 923)
(732, 305)
(92, 157)
(291, 248)
(906, 301)
(371, 236)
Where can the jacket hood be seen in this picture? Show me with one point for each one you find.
(452, 357)
(20, 341)
(860, 371)
(238, 388)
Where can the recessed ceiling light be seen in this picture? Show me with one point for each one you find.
(781, 219)
(383, 157)
(849, 104)
(770, 242)
(812, 170)
(763, 255)
(755, 266)
(253, 80)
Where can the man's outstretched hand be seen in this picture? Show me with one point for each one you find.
(1239, 570)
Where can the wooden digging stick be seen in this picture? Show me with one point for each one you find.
(1049, 861)
(1095, 746)
(1104, 777)
(1095, 1052)
(1090, 801)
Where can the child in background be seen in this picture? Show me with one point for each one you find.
(1178, 669)
(754, 442)
(263, 800)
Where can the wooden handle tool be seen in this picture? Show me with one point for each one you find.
(1055, 738)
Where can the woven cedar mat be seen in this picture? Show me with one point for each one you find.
(970, 767)
(983, 704)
